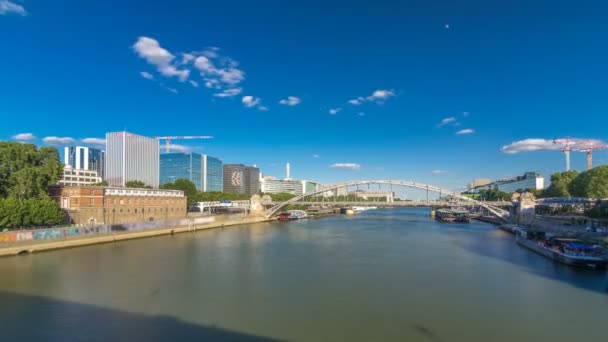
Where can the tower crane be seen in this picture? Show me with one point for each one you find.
(589, 147)
(168, 139)
(568, 142)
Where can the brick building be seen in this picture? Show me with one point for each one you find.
(107, 205)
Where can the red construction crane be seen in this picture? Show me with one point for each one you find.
(590, 146)
(568, 142)
(169, 138)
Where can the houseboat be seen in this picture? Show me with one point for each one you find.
(452, 216)
(572, 252)
(291, 215)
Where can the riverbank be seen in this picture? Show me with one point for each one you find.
(17, 248)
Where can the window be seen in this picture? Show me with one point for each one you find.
(136, 210)
(75, 200)
(129, 201)
(122, 201)
(92, 202)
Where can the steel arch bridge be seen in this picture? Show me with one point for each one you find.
(498, 212)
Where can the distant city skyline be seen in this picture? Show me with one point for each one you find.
(438, 92)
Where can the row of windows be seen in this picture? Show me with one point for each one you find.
(138, 201)
(143, 210)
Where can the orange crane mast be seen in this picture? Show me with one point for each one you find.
(589, 147)
(168, 139)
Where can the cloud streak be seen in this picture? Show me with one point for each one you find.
(24, 136)
(53, 140)
(539, 144)
(346, 166)
(334, 111)
(465, 131)
(9, 7)
(447, 121)
(290, 101)
(439, 172)
(94, 141)
(379, 96)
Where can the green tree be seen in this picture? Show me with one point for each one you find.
(102, 183)
(560, 184)
(26, 172)
(592, 183)
(137, 184)
(185, 185)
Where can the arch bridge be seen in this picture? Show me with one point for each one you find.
(498, 212)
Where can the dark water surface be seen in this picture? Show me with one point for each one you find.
(384, 275)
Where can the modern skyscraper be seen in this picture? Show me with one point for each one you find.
(182, 165)
(213, 174)
(287, 172)
(85, 158)
(241, 179)
(131, 157)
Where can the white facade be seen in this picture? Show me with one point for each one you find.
(536, 183)
(74, 177)
(389, 195)
(131, 157)
(271, 185)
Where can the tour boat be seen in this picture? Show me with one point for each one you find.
(291, 215)
(452, 215)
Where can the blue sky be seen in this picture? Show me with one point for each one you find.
(500, 71)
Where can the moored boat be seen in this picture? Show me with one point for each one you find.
(452, 215)
(572, 252)
(291, 215)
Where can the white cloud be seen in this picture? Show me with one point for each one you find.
(8, 7)
(531, 144)
(316, 156)
(58, 140)
(380, 95)
(219, 72)
(173, 90)
(150, 50)
(24, 136)
(250, 101)
(439, 172)
(345, 166)
(177, 148)
(94, 141)
(230, 92)
(263, 108)
(290, 101)
(358, 101)
(465, 131)
(146, 75)
(446, 121)
(334, 111)
(194, 83)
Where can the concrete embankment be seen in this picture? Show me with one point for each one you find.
(11, 249)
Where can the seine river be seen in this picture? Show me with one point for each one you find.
(383, 275)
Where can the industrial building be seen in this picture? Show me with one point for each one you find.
(87, 205)
(529, 181)
(131, 157)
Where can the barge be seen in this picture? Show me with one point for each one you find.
(571, 252)
(452, 216)
(291, 215)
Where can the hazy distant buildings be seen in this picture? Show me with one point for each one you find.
(204, 171)
(131, 157)
(271, 185)
(85, 158)
(241, 179)
(529, 181)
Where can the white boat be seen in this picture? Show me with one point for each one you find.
(358, 209)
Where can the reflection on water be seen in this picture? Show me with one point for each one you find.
(381, 275)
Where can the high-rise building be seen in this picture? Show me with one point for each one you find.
(213, 174)
(182, 165)
(241, 179)
(131, 157)
(204, 171)
(271, 185)
(287, 172)
(85, 159)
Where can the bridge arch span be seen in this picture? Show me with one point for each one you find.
(501, 213)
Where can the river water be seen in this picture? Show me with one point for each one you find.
(383, 275)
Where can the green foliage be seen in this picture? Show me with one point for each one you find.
(26, 172)
(560, 184)
(102, 183)
(280, 197)
(599, 211)
(185, 185)
(31, 212)
(592, 183)
(137, 184)
(493, 195)
(222, 196)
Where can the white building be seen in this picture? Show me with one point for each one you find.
(131, 157)
(272, 185)
(389, 195)
(74, 177)
(529, 181)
